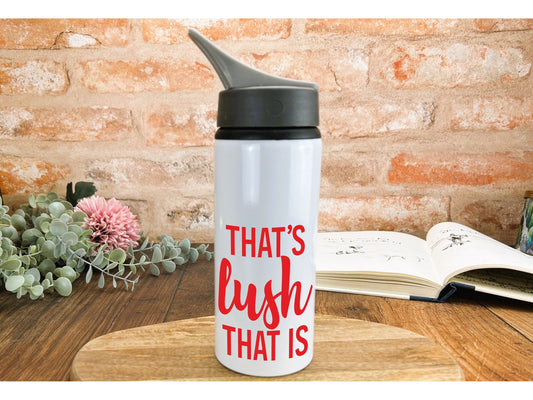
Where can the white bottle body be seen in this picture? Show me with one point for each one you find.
(266, 211)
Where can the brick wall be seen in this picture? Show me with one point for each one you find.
(422, 120)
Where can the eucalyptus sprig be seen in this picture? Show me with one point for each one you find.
(44, 248)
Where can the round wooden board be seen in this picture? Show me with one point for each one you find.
(344, 350)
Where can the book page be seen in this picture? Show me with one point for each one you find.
(455, 248)
(392, 253)
(501, 282)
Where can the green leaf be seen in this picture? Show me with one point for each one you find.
(46, 266)
(52, 196)
(185, 245)
(31, 200)
(157, 256)
(28, 279)
(57, 227)
(36, 290)
(18, 222)
(69, 238)
(68, 206)
(10, 232)
(99, 259)
(81, 252)
(101, 281)
(89, 275)
(78, 230)
(110, 266)
(7, 244)
(71, 261)
(173, 252)
(80, 266)
(56, 209)
(31, 235)
(63, 286)
(144, 244)
(78, 216)
(41, 219)
(118, 255)
(11, 265)
(154, 270)
(45, 226)
(193, 255)
(81, 190)
(48, 248)
(169, 266)
(13, 282)
(59, 250)
(67, 272)
(25, 260)
(35, 273)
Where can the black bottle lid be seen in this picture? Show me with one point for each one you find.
(254, 99)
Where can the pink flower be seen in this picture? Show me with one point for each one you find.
(111, 222)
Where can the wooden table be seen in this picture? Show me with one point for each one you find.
(490, 337)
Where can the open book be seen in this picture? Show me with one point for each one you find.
(395, 264)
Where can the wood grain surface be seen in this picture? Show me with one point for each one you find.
(491, 338)
(345, 349)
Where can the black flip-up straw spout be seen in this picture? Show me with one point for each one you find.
(253, 98)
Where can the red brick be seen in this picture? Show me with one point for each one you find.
(168, 31)
(499, 219)
(193, 215)
(333, 69)
(410, 214)
(378, 117)
(348, 168)
(126, 171)
(462, 169)
(34, 77)
(187, 170)
(380, 26)
(181, 127)
(26, 175)
(498, 25)
(455, 65)
(157, 75)
(73, 124)
(184, 217)
(57, 33)
(495, 113)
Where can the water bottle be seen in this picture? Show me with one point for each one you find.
(267, 178)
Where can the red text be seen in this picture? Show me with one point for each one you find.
(263, 242)
(269, 307)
